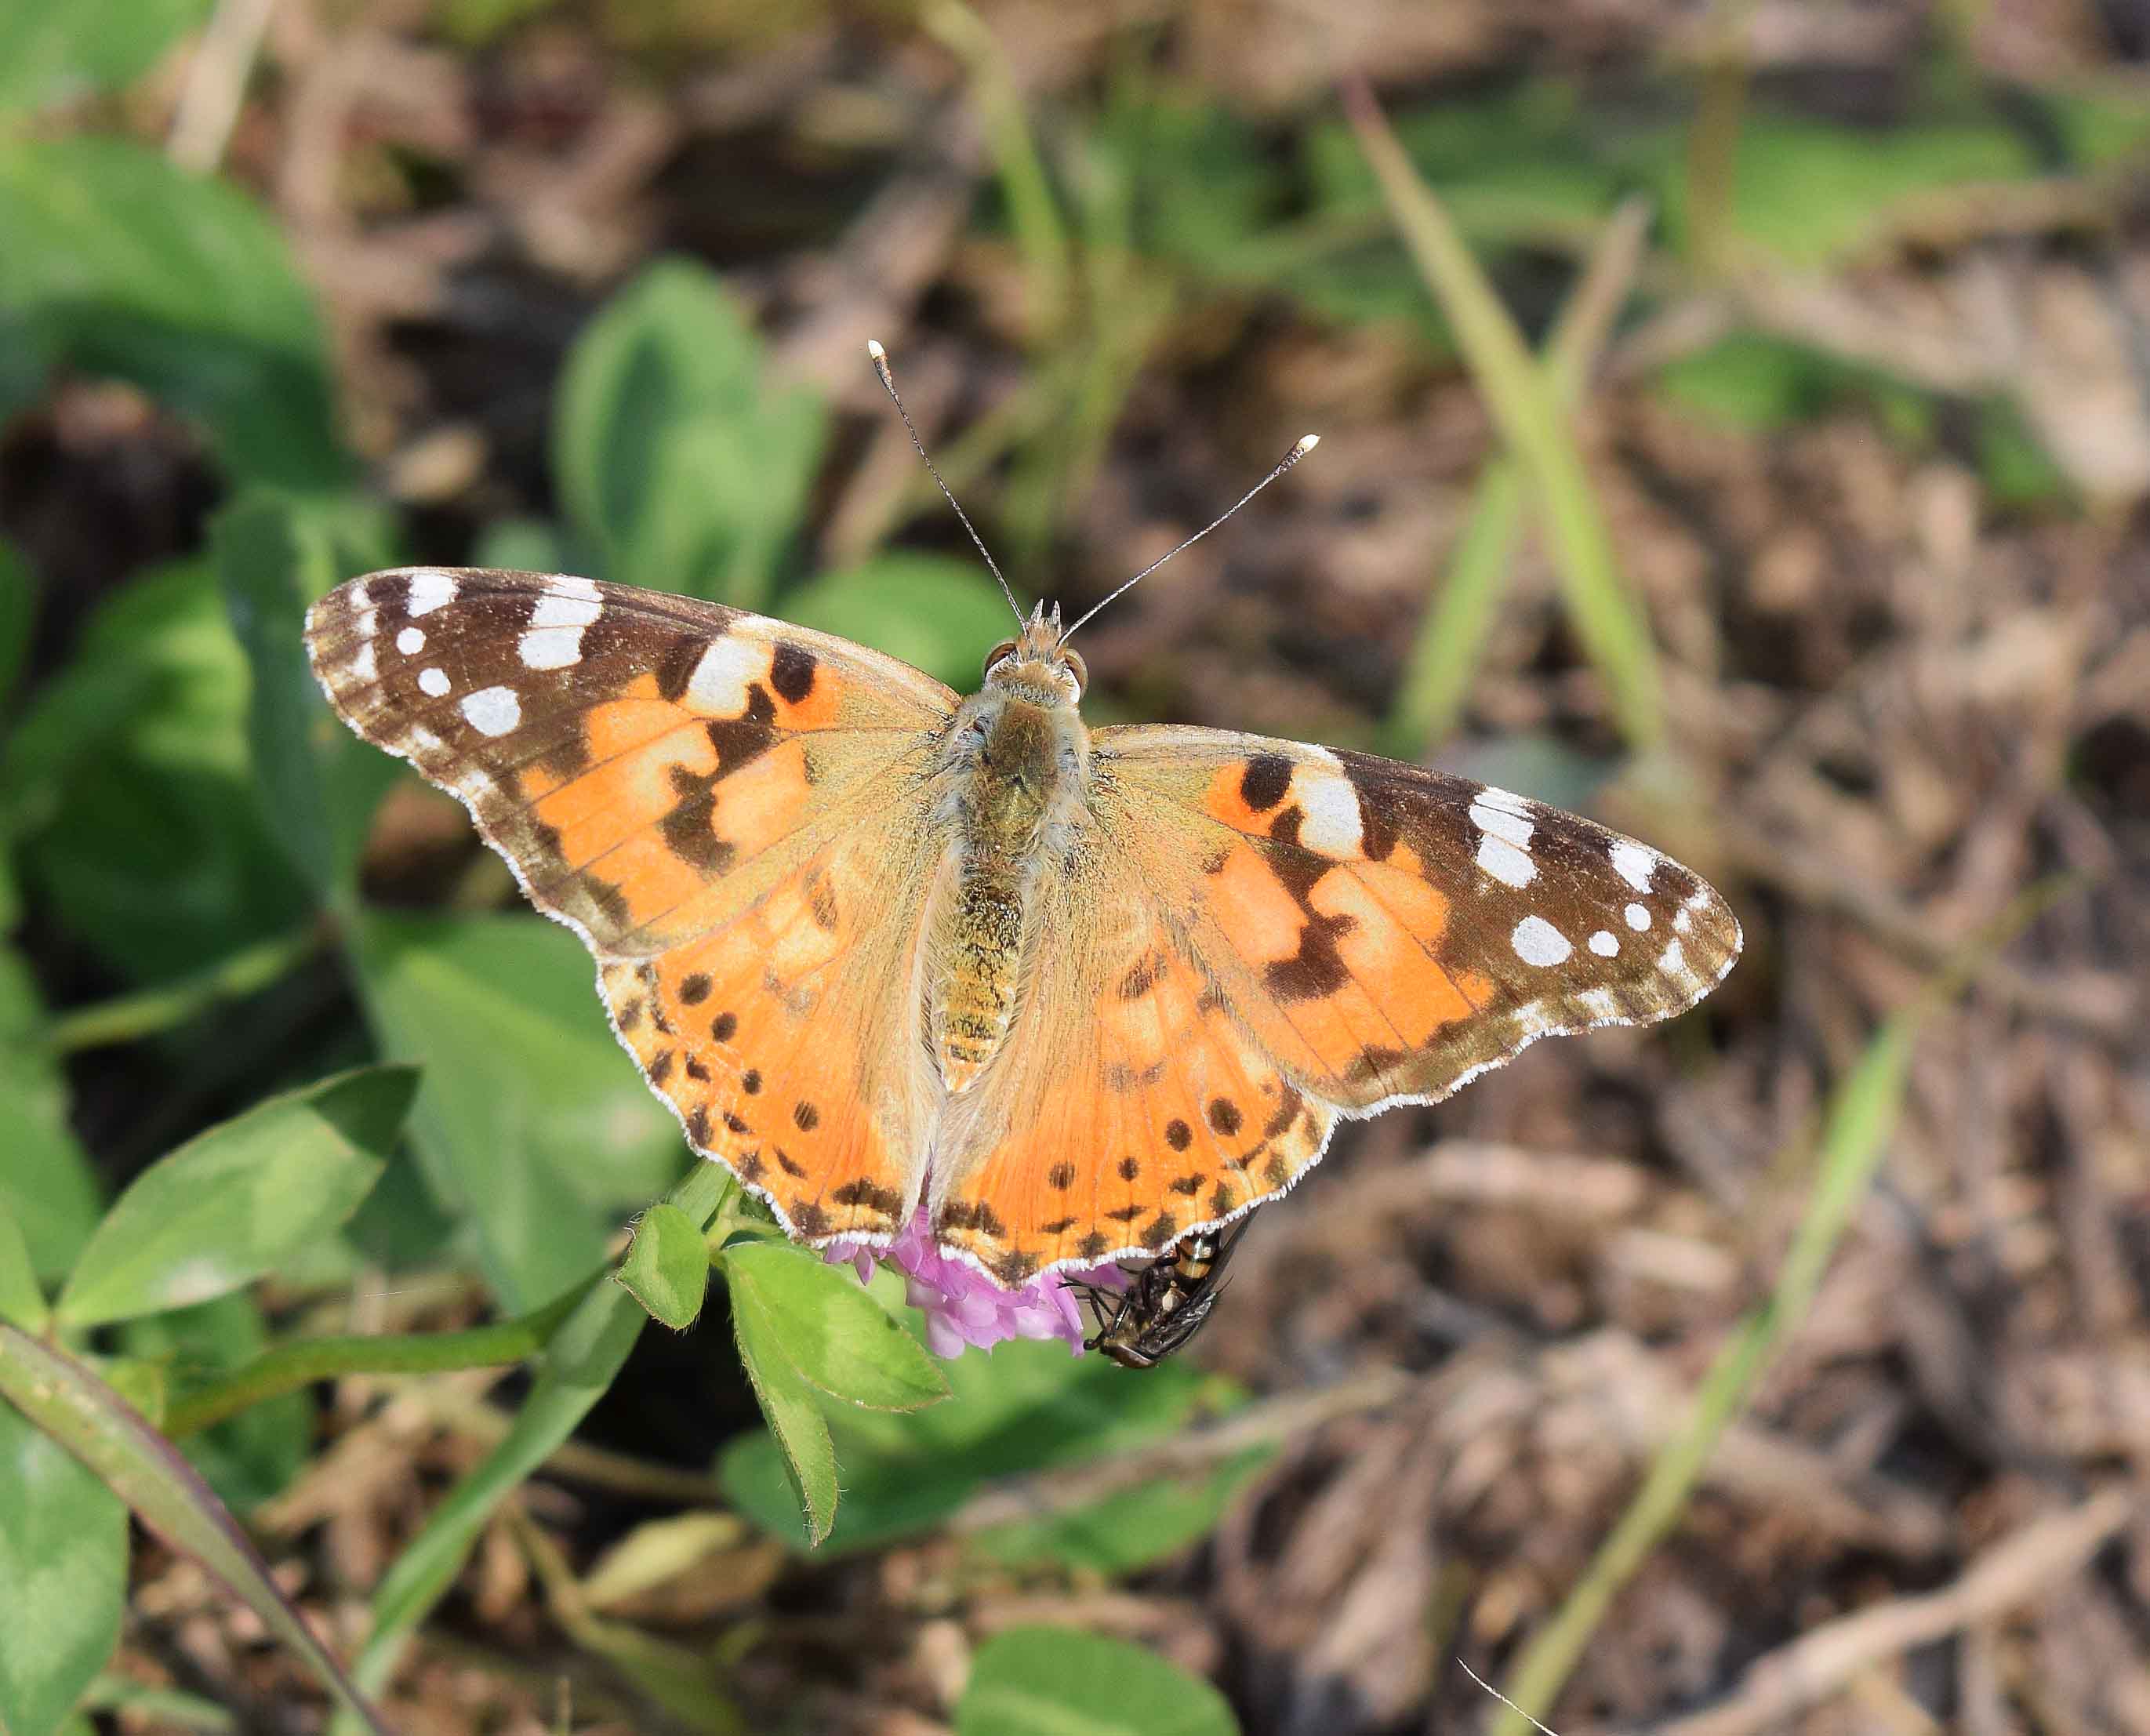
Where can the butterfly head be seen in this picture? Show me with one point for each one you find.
(1037, 664)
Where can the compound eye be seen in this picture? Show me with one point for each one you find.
(1000, 653)
(1073, 660)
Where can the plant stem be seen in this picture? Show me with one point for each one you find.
(291, 1366)
(128, 1018)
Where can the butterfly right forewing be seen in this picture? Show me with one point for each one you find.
(1389, 932)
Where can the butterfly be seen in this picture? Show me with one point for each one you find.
(1165, 1303)
(1076, 994)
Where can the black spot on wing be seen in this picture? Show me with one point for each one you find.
(791, 671)
(1263, 784)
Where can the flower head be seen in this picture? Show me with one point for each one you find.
(962, 1306)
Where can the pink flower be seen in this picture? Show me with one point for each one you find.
(962, 1306)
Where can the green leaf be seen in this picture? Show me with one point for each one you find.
(51, 53)
(2099, 127)
(1055, 1681)
(18, 612)
(678, 465)
(804, 1454)
(1130, 1529)
(534, 1128)
(838, 1337)
(119, 263)
(62, 1576)
(22, 1297)
(48, 1193)
(92, 1421)
(249, 1458)
(667, 1268)
(276, 554)
(130, 787)
(522, 545)
(232, 1202)
(2016, 469)
(1811, 192)
(937, 615)
(1026, 1408)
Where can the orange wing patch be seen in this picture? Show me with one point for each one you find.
(1335, 922)
(1166, 1118)
(771, 1037)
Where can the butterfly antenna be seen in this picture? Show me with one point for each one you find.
(1307, 442)
(888, 380)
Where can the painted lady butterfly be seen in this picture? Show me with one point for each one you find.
(1083, 993)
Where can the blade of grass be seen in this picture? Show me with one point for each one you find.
(1712, 141)
(1614, 634)
(78, 1409)
(1452, 639)
(1039, 231)
(583, 1358)
(1861, 1117)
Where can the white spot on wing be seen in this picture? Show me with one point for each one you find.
(362, 599)
(493, 710)
(564, 608)
(434, 682)
(1505, 863)
(1330, 806)
(1672, 961)
(568, 584)
(421, 741)
(1537, 942)
(1501, 814)
(1634, 864)
(410, 641)
(1600, 1004)
(1605, 944)
(1531, 1020)
(431, 590)
(1638, 918)
(551, 648)
(720, 680)
(362, 666)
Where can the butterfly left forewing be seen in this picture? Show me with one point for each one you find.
(731, 811)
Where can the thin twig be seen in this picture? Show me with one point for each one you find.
(216, 83)
(1806, 1672)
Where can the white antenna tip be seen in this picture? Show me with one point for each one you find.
(1307, 442)
(874, 351)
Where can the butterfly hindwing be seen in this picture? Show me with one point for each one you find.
(689, 787)
(1130, 1106)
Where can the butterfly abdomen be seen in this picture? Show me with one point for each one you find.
(1020, 769)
